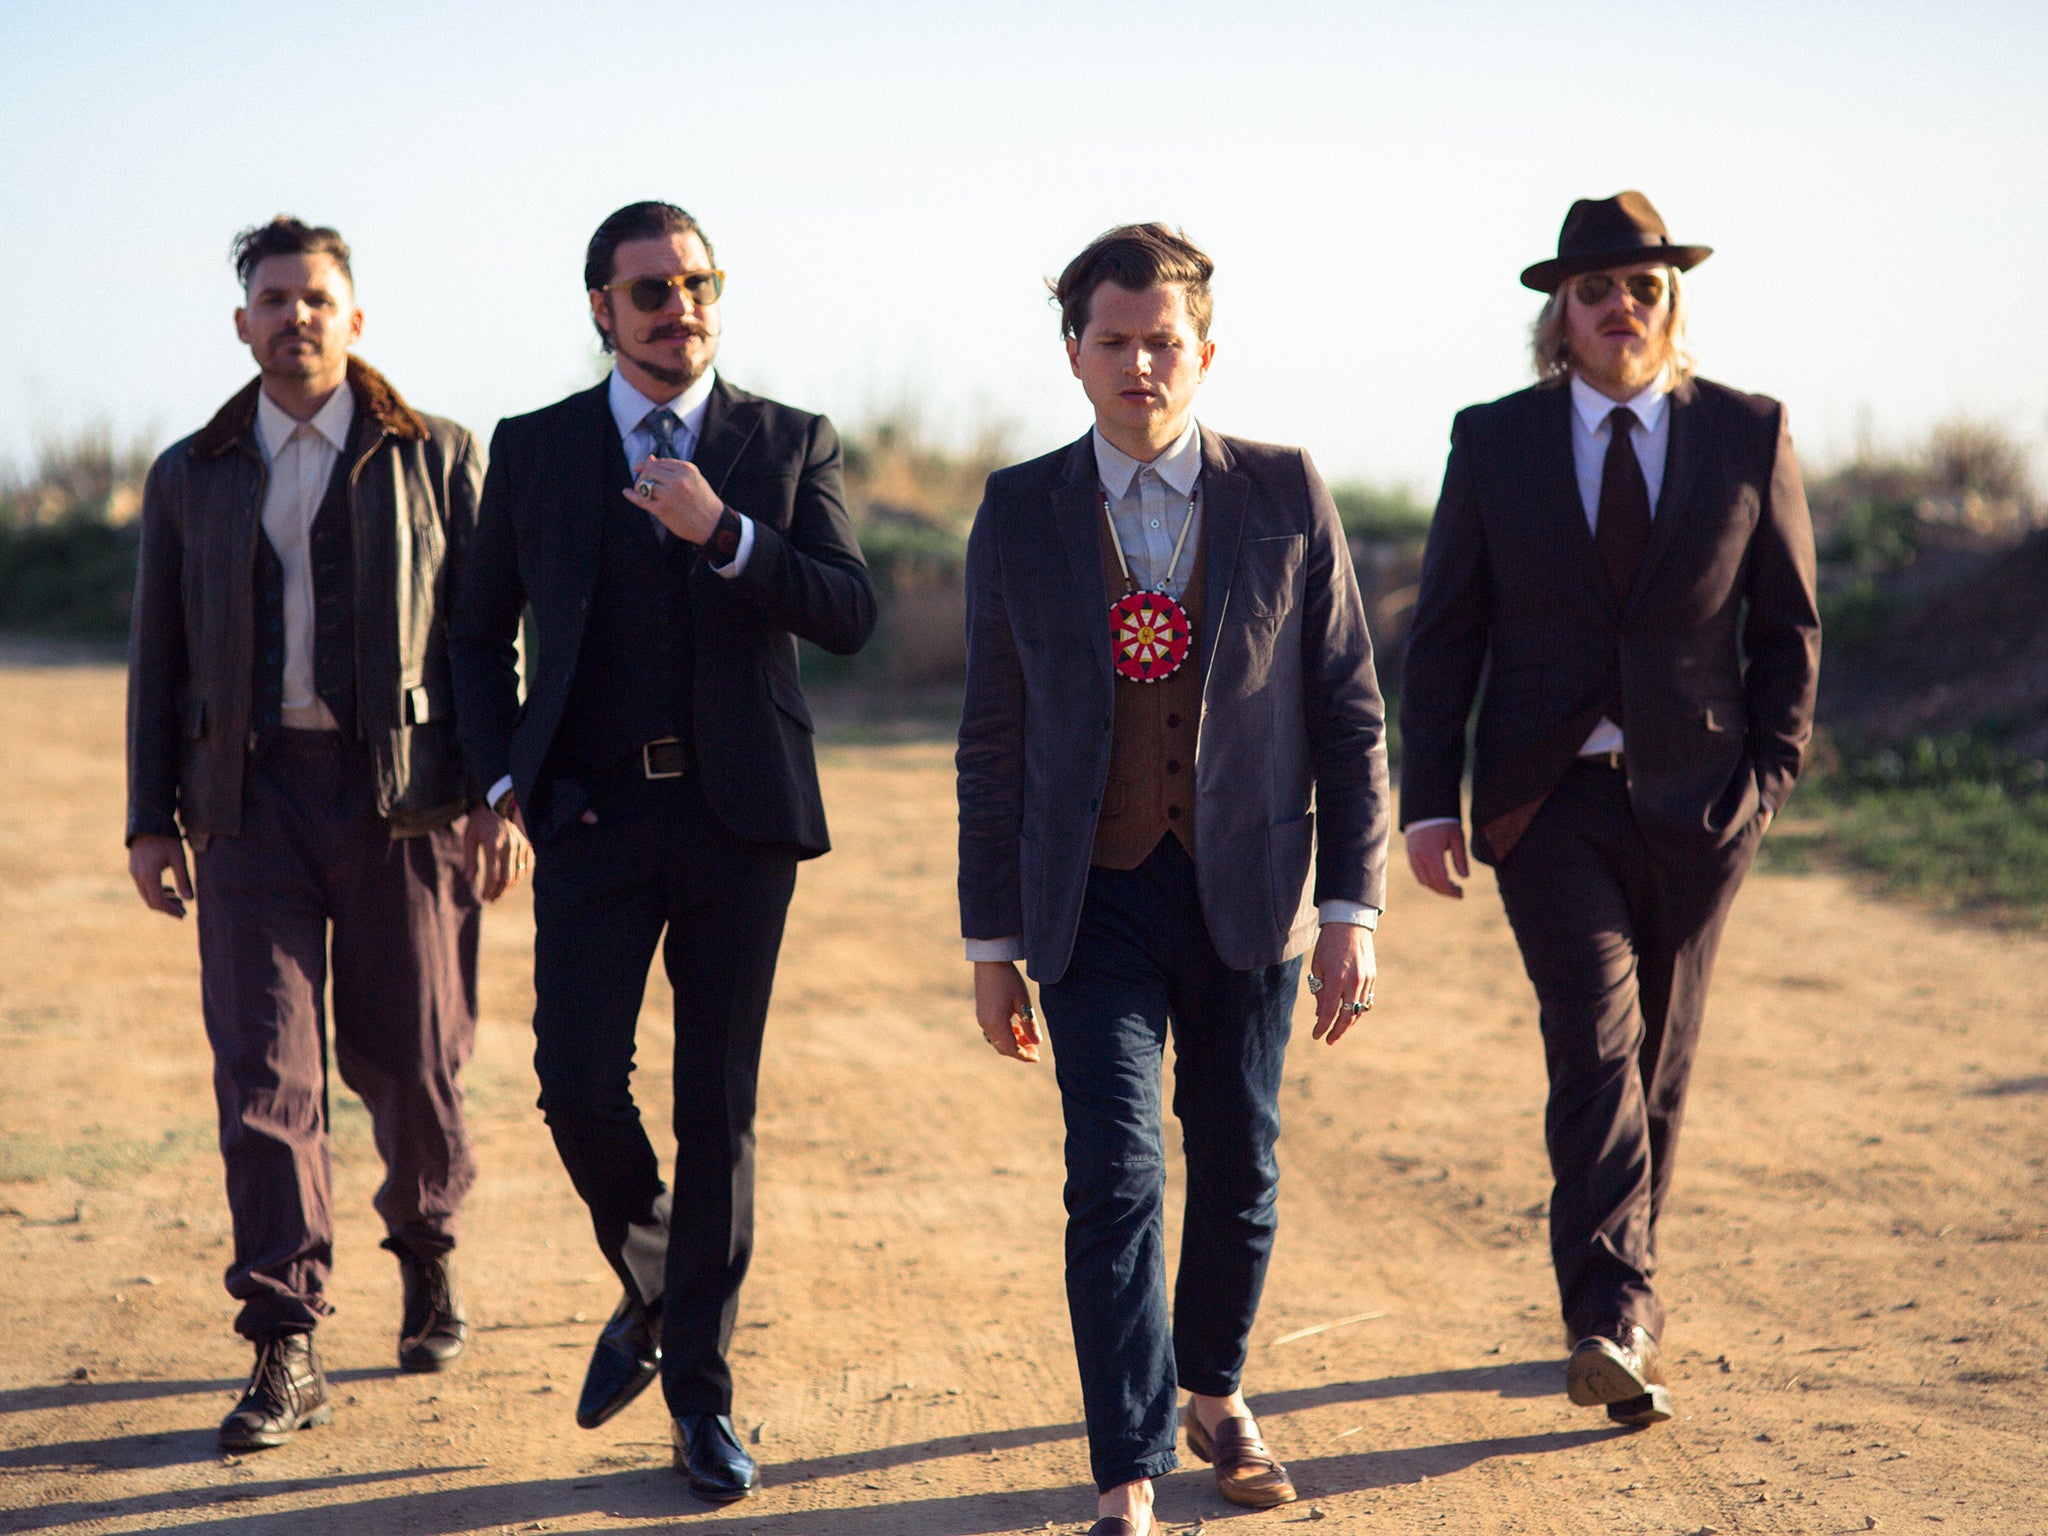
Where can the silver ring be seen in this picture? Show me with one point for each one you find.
(1354, 1008)
(1028, 1014)
(1315, 983)
(644, 489)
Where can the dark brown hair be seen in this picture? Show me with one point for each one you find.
(287, 236)
(1137, 257)
(635, 221)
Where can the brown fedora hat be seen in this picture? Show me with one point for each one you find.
(1613, 232)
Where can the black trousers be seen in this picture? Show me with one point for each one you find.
(315, 885)
(1620, 945)
(1143, 963)
(657, 861)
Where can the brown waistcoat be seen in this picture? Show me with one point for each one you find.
(1151, 788)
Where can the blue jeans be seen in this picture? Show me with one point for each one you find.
(1143, 961)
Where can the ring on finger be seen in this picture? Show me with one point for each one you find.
(1315, 983)
(1354, 1008)
(644, 489)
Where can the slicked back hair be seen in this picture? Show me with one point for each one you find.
(286, 236)
(1137, 257)
(635, 221)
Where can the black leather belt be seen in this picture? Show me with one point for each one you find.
(1609, 760)
(667, 758)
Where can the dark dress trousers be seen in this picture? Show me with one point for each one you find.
(1289, 775)
(1617, 881)
(319, 855)
(636, 640)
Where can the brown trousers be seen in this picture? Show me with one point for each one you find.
(314, 860)
(1620, 945)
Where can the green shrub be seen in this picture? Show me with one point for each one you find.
(71, 579)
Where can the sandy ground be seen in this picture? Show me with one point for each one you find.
(1854, 1260)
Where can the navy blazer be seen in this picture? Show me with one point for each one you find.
(1290, 759)
(1714, 656)
(538, 540)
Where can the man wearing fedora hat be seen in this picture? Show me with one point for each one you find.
(1623, 552)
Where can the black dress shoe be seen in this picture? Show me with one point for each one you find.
(287, 1393)
(435, 1327)
(1622, 1368)
(627, 1358)
(708, 1453)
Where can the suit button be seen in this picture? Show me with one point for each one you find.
(1173, 813)
(1172, 765)
(1094, 805)
(1172, 722)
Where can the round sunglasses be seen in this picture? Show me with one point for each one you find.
(650, 294)
(1646, 288)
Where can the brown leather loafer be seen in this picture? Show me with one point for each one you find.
(1246, 1472)
(1622, 1369)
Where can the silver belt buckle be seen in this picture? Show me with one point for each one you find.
(647, 759)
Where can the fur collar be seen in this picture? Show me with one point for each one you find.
(376, 401)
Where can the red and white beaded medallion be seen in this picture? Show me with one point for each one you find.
(1149, 633)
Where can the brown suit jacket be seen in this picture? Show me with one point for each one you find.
(1714, 655)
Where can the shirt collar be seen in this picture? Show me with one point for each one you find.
(630, 407)
(275, 425)
(1180, 466)
(1593, 407)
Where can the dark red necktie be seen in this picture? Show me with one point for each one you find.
(1622, 531)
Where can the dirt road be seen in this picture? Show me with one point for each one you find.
(1855, 1259)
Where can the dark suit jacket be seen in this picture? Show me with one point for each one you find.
(1714, 656)
(537, 541)
(1290, 764)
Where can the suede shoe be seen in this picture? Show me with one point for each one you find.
(287, 1393)
(1622, 1368)
(708, 1453)
(626, 1360)
(435, 1327)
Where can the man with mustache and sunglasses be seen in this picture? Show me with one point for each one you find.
(674, 537)
(290, 716)
(1623, 552)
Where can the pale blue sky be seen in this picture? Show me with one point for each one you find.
(889, 183)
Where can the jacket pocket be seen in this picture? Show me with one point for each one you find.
(789, 698)
(1724, 715)
(1267, 568)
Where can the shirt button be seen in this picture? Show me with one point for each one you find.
(1155, 522)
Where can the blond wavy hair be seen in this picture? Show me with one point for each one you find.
(1550, 346)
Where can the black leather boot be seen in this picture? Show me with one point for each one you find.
(435, 1327)
(287, 1393)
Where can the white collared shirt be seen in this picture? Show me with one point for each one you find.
(1591, 433)
(301, 456)
(630, 410)
(1149, 503)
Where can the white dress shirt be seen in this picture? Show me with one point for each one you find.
(1591, 433)
(630, 410)
(301, 456)
(1149, 503)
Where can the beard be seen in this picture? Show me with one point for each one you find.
(678, 378)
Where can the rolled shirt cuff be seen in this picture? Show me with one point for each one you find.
(739, 561)
(997, 950)
(1431, 821)
(497, 791)
(1356, 913)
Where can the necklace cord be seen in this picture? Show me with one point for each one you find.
(1179, 544)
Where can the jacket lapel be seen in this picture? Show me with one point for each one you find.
(1076, 509)
(1557, 489)
(1226, 498)
(730, 419)
(593, 459)
(1681, 473)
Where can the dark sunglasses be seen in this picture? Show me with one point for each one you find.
(1646, 288)
(650, 294)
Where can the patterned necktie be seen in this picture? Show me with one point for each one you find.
(661, 425)
(1623, 530)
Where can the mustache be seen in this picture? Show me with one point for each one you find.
(675, 330)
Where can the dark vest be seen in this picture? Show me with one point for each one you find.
(331, 547)
(633, 671)
(1151, 788)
